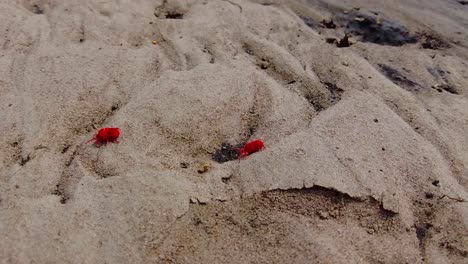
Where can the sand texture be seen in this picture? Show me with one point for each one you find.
(366, 136)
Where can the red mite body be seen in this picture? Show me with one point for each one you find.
(105, 135)
(250, 148)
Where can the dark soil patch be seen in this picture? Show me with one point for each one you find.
(379, 31)
(328, 23)
(226, 153)
(448, 88)
(397, 77)
(174, 16)
(335, 92)
(317, 105)
(421, 231)
(432, 41)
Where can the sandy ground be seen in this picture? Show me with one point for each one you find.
(367, 138)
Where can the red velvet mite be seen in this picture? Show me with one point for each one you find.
(105, 135)
(250, 148)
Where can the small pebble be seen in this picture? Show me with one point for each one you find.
(204, 166)
(323, 215)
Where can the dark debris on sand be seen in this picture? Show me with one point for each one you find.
(432, 41)
(379, 31)
(226, 153)
(397, 77)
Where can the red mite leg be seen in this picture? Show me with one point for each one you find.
(241, 155)
(90, 140)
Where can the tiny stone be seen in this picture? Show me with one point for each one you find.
(203, 167)
(323, 215)
(376, 120)
(345, 63)
(435, 183)
(203, 200)
(264, 65)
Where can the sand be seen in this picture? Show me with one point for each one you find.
(366, 157)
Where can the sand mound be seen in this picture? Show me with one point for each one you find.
(366, 135)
